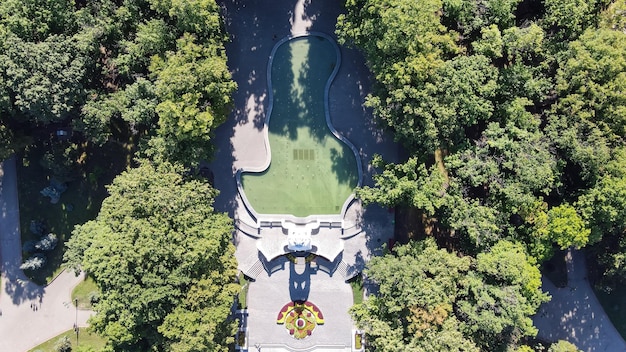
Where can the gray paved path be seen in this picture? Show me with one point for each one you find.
(270, 293)
(255, 27)
(574, 313)
(22, 327)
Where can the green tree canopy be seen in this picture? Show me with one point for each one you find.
(35, 20)
(589, 118)
(163, 261)
(428, 296)
(44, 81)
(194, 87)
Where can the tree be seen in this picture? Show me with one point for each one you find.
(35, 20)
(569, 18)
(200, 17)
(406, 184)
(511, 164)
(483, 303)
(566, 228)
(410, 310)
(612, 17)
(469, 16)
(563, 346)
(154, 37)
(501, 296)
(135, 104)
(163, 262)
(589, 117)
(44, 80)
(603, 207)
(63, 344)
(194, 87)
(380, 29)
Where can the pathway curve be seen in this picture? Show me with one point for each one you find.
(574, 313)
(255, 28)
(21, 326)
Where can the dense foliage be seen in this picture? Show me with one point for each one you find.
(155, 68)
(513, 116)
(163, 261)
(433, 300)
(145, 72)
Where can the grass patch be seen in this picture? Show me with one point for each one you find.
(243, 292)
(555, 269)
(611, 294)
(85, 339)
(84, 293)
(89, 169)
(311, 171)
(614, 305)
(356, 283)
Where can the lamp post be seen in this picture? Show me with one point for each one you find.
(76, 320)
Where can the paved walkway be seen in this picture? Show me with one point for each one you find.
(21, 326)
(268, 294)
(255, 27)
(574, 313)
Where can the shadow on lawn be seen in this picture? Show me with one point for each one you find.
(92, 169)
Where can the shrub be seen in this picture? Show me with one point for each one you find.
(63, 345)
(94, 297)
(47, 243)
(35, 262)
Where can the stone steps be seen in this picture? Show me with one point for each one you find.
(254, 270)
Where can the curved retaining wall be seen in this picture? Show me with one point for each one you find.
(266, 164)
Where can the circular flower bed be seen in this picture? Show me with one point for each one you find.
(300, 318)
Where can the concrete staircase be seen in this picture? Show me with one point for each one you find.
(345, 270)
(254, 270)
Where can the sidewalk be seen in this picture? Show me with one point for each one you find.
(574, 313)
(31, 314)
(255, 28)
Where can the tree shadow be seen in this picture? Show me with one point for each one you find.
(255, 28)
(17, 286)
(344, 166)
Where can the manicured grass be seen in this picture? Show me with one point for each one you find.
(85, 339)
(356, 283)
(243, 292)
(94, 168)
(311, 171)
(83, 291)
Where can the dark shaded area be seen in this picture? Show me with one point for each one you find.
(555, 269)
(299, 280)
(89, 171)
(610, 293)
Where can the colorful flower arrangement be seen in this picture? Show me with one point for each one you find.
(300, 318)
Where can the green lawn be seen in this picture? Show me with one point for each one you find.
(311, 171)
(243, 292)
(356, 283)
(614, 305)
(94, 168)
(613, 297)
(85, 339)
(83, 293)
